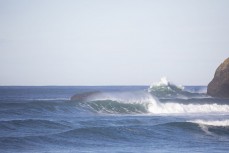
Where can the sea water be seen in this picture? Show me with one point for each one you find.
(164, 118)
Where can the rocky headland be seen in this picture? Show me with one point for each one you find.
(219, 86)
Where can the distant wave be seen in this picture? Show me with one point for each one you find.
(196, 89)
(31, 125)
(43, 107)
(165, 89)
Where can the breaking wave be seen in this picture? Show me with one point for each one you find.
(167, 89)
(212, 127)
(143, 102)
(224, 123)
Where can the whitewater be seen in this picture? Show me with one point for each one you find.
(163, 117)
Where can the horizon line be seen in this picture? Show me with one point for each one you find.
(79, 85)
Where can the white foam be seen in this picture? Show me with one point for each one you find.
(211, 122)
(164, 83)
(176, 108)
(154, 106)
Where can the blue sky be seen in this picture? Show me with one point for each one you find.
(121, 42)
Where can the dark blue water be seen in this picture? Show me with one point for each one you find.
(112, 119)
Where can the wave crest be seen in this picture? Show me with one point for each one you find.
(143, 102)
(212, 127)
(211, 122)
(165, 89)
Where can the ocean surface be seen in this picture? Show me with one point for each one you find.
(163, 118)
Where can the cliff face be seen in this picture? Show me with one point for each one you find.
(219, 86)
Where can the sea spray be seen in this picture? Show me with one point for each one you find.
(165, 88)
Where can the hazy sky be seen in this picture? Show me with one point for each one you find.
(118, 42)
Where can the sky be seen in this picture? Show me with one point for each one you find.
(112, 42)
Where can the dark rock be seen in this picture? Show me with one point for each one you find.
(219, 86)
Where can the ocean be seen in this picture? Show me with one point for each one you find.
(163, 118)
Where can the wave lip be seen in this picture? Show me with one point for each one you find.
(217, 123)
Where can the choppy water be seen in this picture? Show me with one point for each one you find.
(114, 119)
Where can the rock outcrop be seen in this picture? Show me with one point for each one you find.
(219, 86)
